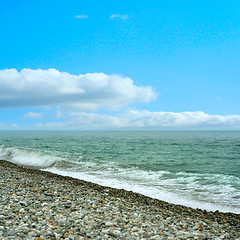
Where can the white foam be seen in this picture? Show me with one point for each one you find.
(27, 157)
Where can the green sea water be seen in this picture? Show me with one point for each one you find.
(200, 169)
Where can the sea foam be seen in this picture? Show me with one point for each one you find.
(28, 157)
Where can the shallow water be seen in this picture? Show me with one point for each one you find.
(196, 169)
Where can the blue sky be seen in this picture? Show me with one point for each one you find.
(119, 64)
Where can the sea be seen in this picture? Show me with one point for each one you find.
(198, 169)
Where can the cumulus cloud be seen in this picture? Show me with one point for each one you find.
(82, 16)
(119, 16)
(91, 91)
(146, 120)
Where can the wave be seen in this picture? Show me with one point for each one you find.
(28, 157)
(206, 191)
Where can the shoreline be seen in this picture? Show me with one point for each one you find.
(209, 207)
(42, 205)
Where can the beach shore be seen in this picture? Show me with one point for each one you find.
(41, 205)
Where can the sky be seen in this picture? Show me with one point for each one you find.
(136, 64)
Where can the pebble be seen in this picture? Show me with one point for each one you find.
(134, 229)
(31, 234)
(108, 224)
(45, 206)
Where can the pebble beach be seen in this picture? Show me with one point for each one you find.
(40, 205)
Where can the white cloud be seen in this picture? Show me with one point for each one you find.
(119, 16)
(33, 115)
(58, 114)
(218, 98)
(82, 16)
(9, 126)
(91, 91)
(70, 95)
(147, 120)
(180, 120)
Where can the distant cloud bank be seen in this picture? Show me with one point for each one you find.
(137, 119)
